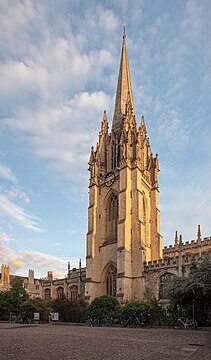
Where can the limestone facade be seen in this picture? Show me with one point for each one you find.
(123, 213)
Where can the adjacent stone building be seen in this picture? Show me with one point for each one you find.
(71, 287)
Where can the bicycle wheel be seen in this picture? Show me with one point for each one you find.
(147, 325)
(123, 323)
(88, 322)
(95, 322)
(178, 325)
(132, 323)
(192, 325)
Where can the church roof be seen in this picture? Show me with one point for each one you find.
(124, 89)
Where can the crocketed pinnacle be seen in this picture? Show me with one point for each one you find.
(124, 89)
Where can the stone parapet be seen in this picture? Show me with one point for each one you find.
(173, 262)
(188, 246)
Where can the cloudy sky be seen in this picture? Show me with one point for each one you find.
(59, 63)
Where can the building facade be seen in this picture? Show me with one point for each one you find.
(71, 287)
(123, 213)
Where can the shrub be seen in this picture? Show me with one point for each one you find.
(69, 311)
(103, 305)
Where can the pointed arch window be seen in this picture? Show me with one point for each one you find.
(73, 293)
(110, 281)
(144, 219)
(60, 292)
(112, 217)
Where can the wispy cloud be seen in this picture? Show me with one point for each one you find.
(67, 128)
(22, 260)
(15, 193)
(7, 173)
(18, 215)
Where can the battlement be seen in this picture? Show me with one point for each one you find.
(193, 245)
(161, 263)
(172, 262)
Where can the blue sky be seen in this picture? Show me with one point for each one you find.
(59, 63)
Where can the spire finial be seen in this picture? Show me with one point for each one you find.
(124, 28)
(199, 233)
(176, 238)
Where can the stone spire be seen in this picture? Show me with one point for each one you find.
(124, 90)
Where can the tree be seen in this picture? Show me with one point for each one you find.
(11, 300)
(69, 310)
(191, 295)
(17, 295)
(5, 306)
(31, 306)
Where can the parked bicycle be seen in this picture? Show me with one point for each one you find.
(106, 321)
(135, 321)
(92, 322)
(140, 321)
(185, 323)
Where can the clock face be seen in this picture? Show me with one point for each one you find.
(109, 179)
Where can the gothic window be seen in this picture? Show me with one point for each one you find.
(110, 281)
(73, 293)
(112, 217)
(47, 294)
(165, 280)
(144, 219)
(60, 293)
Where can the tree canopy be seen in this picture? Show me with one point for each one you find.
(194, 291)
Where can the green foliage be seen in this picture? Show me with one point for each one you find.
(69, 311)
(193, 293)
(17, 295)
(151, 311)
(5, 306)
(31, 306)
(103, 305)
(11, 301)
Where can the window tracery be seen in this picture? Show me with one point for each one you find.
(112, 217)
(110, 281)
(73, 293)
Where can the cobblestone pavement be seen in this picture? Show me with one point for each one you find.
(62, 342)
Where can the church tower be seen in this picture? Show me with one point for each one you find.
(123, 214)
